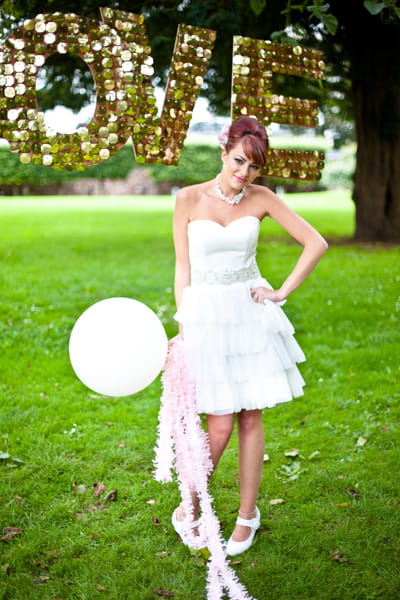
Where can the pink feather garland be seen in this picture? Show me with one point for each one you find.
(183, 445)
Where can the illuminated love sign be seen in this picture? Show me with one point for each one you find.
(119, 57)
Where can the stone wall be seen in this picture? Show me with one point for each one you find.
(138, 182)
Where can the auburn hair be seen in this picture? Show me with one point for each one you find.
(252, 135)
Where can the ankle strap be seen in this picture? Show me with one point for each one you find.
(248, 514)
(248, 522)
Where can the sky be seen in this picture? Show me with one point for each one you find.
(64, 121)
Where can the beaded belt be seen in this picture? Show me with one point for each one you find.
(225, 276)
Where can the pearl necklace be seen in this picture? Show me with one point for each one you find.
(235, 200)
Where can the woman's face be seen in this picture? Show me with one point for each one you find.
(238, 169)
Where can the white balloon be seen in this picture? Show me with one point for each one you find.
(118, 346)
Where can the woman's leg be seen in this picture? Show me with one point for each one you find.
(219, 430)
(251, 458)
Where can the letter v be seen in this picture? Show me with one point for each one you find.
(160, 139)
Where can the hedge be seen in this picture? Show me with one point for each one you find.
(198, 162)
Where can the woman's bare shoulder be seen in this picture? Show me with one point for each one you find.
(262, 190)
(192, 191)
(188, 197)
(262, 198)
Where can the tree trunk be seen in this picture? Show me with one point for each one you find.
(374, 54)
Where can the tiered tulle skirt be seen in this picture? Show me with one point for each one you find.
(240, 354)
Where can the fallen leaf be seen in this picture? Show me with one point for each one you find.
(10, 532)
(235, 562)
(16, 530)
(90, 508)
(199, 560)
(94, 507)
(339, 557)
(100, 588)
(165, 593)
(200, 556)
(111, 496)
(19, 499)
(39, 565)
(385, 428)
(292, 453)
(292, 471)
(6, 568)
(361, 441)
(343, 504)
(205, 552)
(78, 489)
(314, 455)
(98, 488)
(276, 501)
(41, 579)
(354, 493)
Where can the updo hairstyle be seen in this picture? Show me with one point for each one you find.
(252, 135)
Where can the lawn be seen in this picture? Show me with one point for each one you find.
(333, 455)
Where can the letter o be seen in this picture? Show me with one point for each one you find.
(24, 126)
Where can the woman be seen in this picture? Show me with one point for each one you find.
(238, 343)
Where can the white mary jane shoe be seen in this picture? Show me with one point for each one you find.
(233, 547)
(181, 527)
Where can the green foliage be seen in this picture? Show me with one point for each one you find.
(339, 169)
(61, 75)
(373, 6)
(15, 173)
(117, 166)
(198, 162)
(334, 453)
(318, 10)
(388, 8)
(257, 6)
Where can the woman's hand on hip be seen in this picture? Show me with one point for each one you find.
(260, 294)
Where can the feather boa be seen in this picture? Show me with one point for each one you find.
(183, 445)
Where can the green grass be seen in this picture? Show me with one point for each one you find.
(59, 256)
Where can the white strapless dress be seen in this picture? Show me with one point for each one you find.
(240, 354)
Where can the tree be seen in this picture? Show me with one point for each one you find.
(363, 52)
(361, 40)
(372, 46)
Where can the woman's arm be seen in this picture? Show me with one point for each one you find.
(314, 246)
(182, 263)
